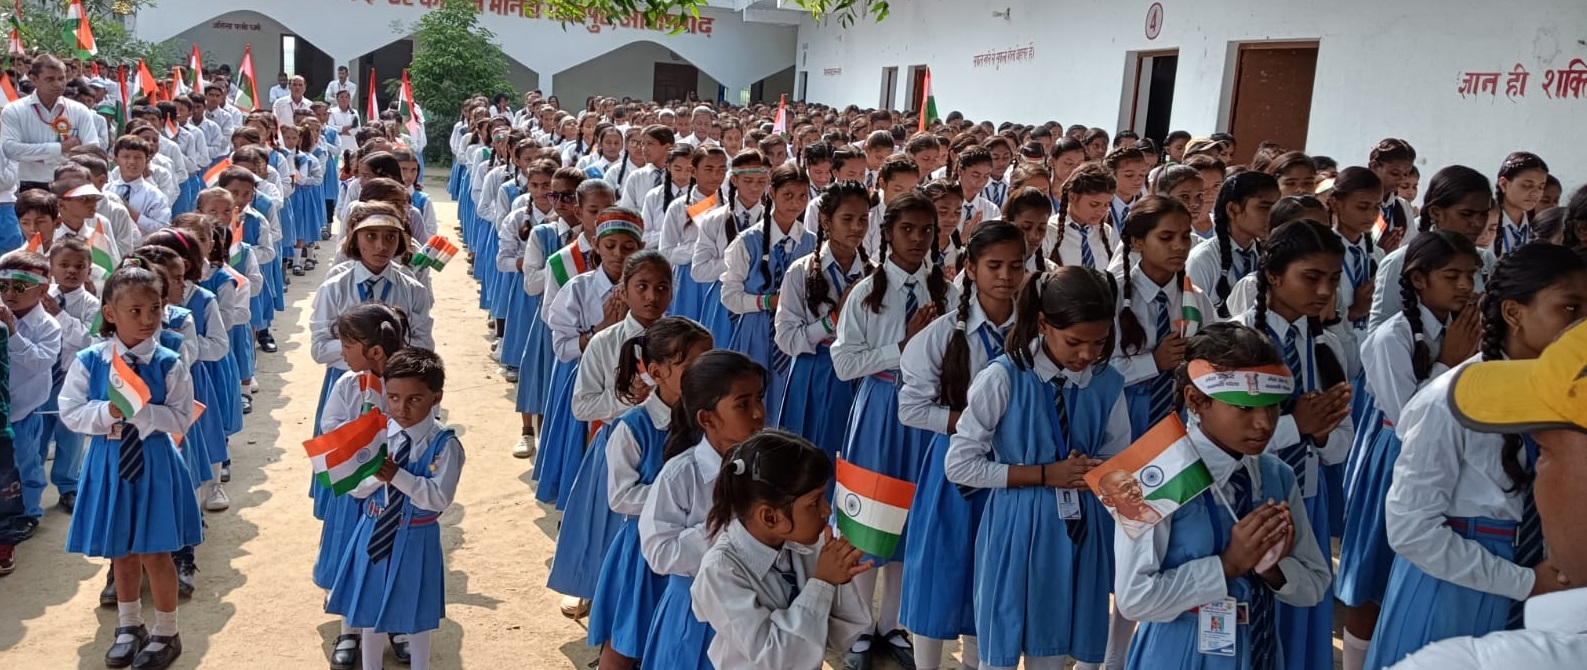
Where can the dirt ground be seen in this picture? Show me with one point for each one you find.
(255, 605)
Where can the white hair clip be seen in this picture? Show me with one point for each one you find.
(738, 466)
(1126, 303)
(959, 325)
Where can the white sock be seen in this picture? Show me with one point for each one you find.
(128, 615)
(969, 653)
(1053, 663)
(892, 581)
(214, 471)
(348, 630)
(1079, 665)
(1120, 631)
(1355, 656)
(865, 587)
(419, 651)
(165, 625)
(374, 649)
(928, 653)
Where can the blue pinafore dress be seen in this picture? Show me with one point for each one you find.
(627, 592)
(406, 592)
(205, 432)
(1043, 584)
(536, 362)
(241, 334)
(324, 497)
(228, 386)
(563, 437)
(261, 307)
(155, 513)
(1365, 557)
(752, 331)
(878, 442)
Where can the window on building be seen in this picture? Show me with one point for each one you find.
(289, 54)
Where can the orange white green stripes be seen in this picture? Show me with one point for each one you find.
(871, 508)
(434, 254)
(1165, 464)
(127, 392)
(101, 259)
(346, 456)
(567, 263)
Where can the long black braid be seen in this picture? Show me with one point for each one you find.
(1289, 243)
(817, 288)
(1236, 190)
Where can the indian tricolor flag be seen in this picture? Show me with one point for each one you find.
(80, 36)
(434, 254)
(240, 278)
(1163, 465)
(247, 98)
(695, 210)
(346, 456)
(408, 108)
(128, 393)
(234, 252)
(928, 106)
(212, 178)
(871, 508)
(370, 390)
(373, 113)
(35, 244)
(8, 90)
(568, 262)
(102, 257)
(1190, 316)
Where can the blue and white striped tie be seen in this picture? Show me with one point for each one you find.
(911, 303)
(1087, 258)
(384, 537)
(1162, 398)
(1295, 455)
(1261, 607)
(780, 361)
(130, 463)
(1528, 533)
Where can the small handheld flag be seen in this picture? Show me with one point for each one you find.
(434, 254)
(241, 279)
(198, 411)
(780, 126)
(127, 393)
(701, 207)
(871, 508)
(102, 259)
(346, 456)
(567, 263)
(146, 83)
(35, 244)
(1156, 475)
(1190, 319)
(8, 90)
(212, 178)
(234, 252)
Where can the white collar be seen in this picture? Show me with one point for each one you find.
(898, 274)
(1431, 326)
(660, 413)
(1047, 370)
(1145, 289)
(756, 556)
(855, 268)
(709, 461)
(977, 316)
(1218, 461)
(419, 435)
(143, 351)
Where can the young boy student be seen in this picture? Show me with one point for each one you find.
(149, 208)
(75, 309)
(33, 349)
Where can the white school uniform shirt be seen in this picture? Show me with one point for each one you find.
(434, 493)
(576, 309)
(796, 330)
(534, 258)
(1552, 639)
(497, 203)
(340, 292)
(8, 179)
(1204, 266)
(740, 591)
(550, 288)
(27, 137)
(195, 147)
(233, 302)
(346, 402)
(1511, 235)
(34, 349)
(868, 342)
(636, 185)
(672, 534)
(676, 237)
(217, 143)
(189, 332)
(346, 141)
(161, 175)
(431, 225)
(740, 265)
(813, 211)
(214, 344)
(250, 269)
(595, 387)
(151, 206)
(625, 494)
(654, 212)
(617, 176)
(995, 191)
(1357, 263)
(710, 248)
(1144, 591)
(988, 211)
(1104, 246)
(269, 235)
(278, 92)
(1141, 366)
(1386, 294)
(126, 233)
(1285, 433)
(921, 364)
(1386, 355)
(176, 161)
(1443, 471)
(509, 249)
(78, 308)
(92, 417)
(88, 227)
(970, 457)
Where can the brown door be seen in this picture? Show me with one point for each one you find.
(675, 81)
(1272, 96)
(918, 88)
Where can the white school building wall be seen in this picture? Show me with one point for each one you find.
(737, 49)
(1383, 69)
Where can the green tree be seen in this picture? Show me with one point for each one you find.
(45, 29)
(454, 58)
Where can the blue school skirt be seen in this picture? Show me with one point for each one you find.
(1365, 557)
(677, 640)
(187, 195)
(341, 514)
(1419, 609)
(228, 393)
(242, 354)
(879, 443)
(534, 366)
(308, 213)
(1307, 632)
(515, 337)
(588, 526)
(503, 286)
(156, 513)
(209, 425)
(626, 596)
(1026, 577)
(261, 308)
(752, 336)
(561, 436)
(814, 397)
(939, 566)
(194, 450)
(714, 315)
(485, 273)
(405, 594)
(456, 178)
(465, 209)
(323, 496)
(688, 295)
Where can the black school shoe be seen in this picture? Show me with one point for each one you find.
(184, 576)
(107, 595)
(159, 660)
(345, 658)
(68, 501)
(903, 655)
(400, 649)
(267, 342)
(121, 655)
(861, 660)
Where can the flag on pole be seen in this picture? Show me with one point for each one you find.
(1156, 475)
(346, 456)
(126, 100)
(82, 35)
(373, 113)
(8, 90)
(127, 391)
(179, 82)
(928, 110)
(14, 47)
(195, 64)
(102, 261)
(147, 85)
(412, 116)
(871, 508)
(780, 126)
(247, 96)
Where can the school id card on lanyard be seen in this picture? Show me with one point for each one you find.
(1068, 499)
(1216, 626)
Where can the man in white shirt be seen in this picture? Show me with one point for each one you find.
(1539, 397)
(38, 130)
(281, 89)
(342, 83)
(294, 102)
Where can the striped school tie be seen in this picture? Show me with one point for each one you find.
(1528, 534)
(1244, 263)
(384, 537)
(1260, 604)
(790, 579)
(1060, 403)
(911, 303)
(660, 175)
(1162, 397)
(1359, 269)
(130, 465)
(1516, 236)
(1087, 258)
(1295, 455)
(780, 361)
(997, 192)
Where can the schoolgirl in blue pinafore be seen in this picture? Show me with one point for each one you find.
(536, 363)
(627, 591)
(228, 400)
(261, 307)
(308, 208)
(1029, 561)
(813, 396)
(154, 513)
(341, 513)
(241, 335)
(405, 593)
(752, 331)
(195, 448)
(563, 436)
(673, 541)
(502, 284)
(208, 384)
(275, 278)
(323, 496)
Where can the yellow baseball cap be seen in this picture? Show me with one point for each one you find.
(1549, 392)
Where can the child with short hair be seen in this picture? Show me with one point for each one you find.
(393, 576)
(38, 215)
(75, 309)
(149, 207)
(34, 346)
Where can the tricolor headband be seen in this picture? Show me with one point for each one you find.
(616, 223)
(23, 275)
(750, 170)
(1263, 386)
